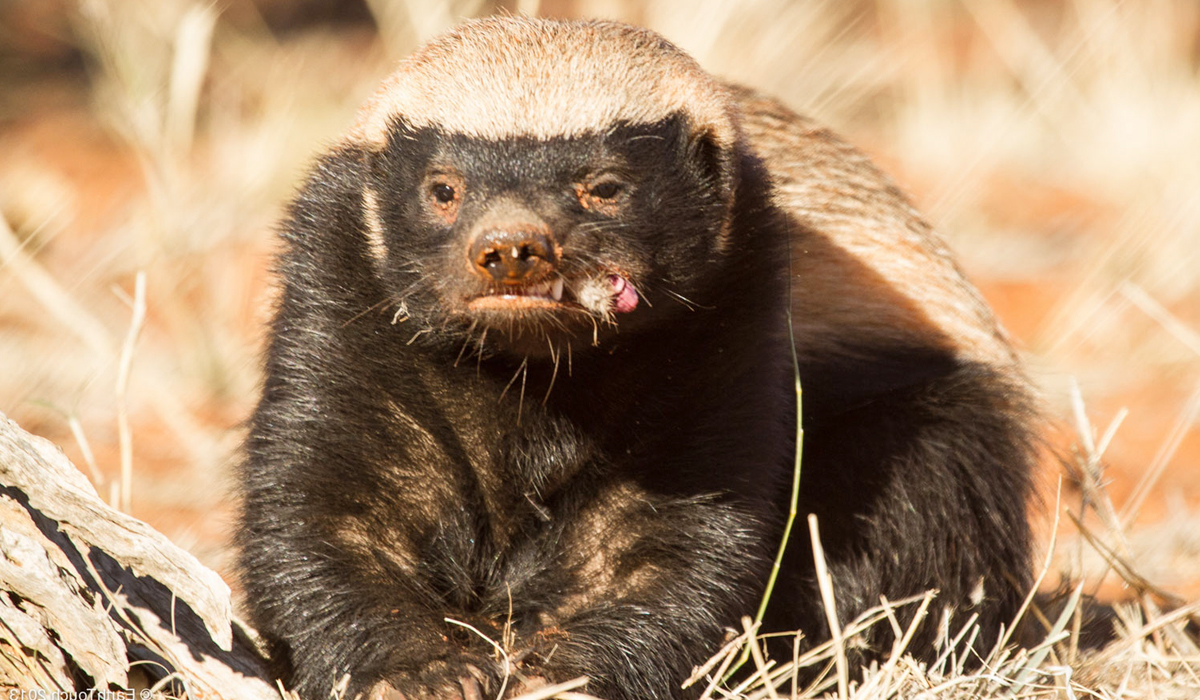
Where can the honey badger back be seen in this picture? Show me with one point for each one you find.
(530, 372)
(918, 421)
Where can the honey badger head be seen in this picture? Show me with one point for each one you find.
(543, 179)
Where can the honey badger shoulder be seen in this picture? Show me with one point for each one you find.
(530, 372)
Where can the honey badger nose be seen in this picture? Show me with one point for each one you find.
(513, 255)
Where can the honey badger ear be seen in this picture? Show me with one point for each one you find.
(719, 164)
(717, 160)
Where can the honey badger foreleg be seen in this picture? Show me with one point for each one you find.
(628, 589)
(343, 615)
(650, 589)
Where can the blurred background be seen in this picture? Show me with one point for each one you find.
(1054, 143)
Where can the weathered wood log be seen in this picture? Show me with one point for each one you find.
(87, 592)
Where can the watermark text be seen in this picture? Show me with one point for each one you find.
(22, 694)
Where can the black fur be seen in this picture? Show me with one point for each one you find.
(602, 509)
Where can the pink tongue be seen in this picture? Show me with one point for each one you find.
(625, 297)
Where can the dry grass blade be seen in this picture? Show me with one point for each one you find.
(1037, 584)
(730, 649)
(1092, 471)
(50, 294)
(761, 665)
(1161, 315)
(1038, 655)
(558, 690)
(876, 683)
(125, 366)
(572, 695)
(193, 37)
(1183, 423)
(1177, 616)
(825, 582)
(1122, 564)
(508, 667)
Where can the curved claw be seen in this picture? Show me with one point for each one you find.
(472, 684)
(470, 688)
(384, 691)
(529, 684)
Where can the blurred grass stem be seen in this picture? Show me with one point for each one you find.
(124, 432)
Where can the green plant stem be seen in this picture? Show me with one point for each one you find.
(795, 498)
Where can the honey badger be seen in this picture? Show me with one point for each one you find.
(530, 373)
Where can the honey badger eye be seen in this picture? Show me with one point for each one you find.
(602, 195)
(444, 196)
(606, 190)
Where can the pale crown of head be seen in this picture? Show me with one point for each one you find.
(508, 76)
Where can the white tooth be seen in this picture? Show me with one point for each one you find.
(556, 289)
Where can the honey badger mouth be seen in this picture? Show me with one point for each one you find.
(603, 295)
(519, 260)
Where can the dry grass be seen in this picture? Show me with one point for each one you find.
(1155, 653)
(1053, 142)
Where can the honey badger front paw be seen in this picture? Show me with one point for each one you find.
(440, 680)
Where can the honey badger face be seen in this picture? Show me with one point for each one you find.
(542, 238)
(542, 181)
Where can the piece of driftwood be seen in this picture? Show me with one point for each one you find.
(88, 593)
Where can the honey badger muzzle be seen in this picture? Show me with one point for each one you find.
(514, 251)
(516, 254)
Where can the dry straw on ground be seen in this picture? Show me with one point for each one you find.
(1053, 142)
